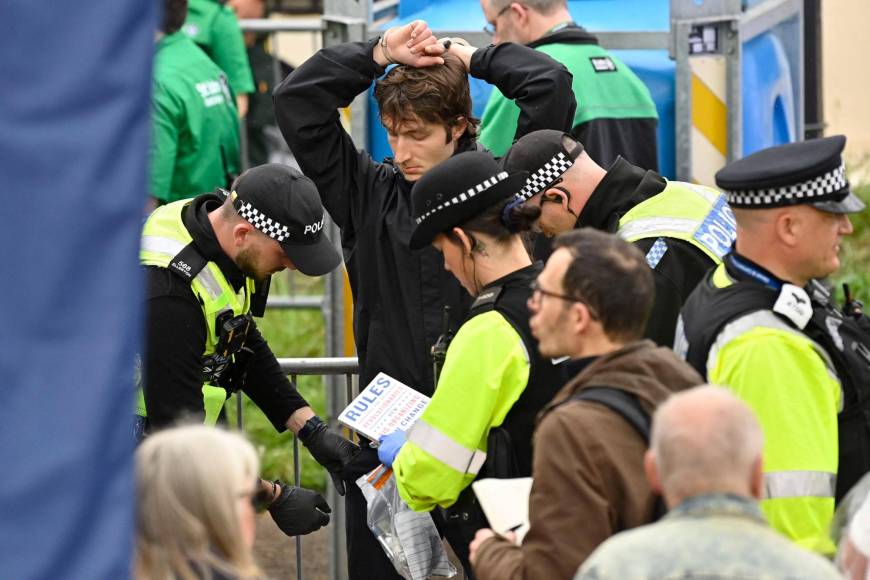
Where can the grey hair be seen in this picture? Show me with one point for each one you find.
(189, 480)
(541, 6)
(705, 440)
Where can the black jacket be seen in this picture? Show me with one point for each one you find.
(398, 294)
(175, 336)
(683, 265)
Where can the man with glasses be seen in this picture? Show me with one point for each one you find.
(683, 229)
(615, 113)
(588, 459)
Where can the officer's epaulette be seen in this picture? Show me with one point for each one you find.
(188, 262)
(487, 298)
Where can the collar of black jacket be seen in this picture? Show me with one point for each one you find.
(522, 276)
(195, 218)
(623, 187)
(571, 34)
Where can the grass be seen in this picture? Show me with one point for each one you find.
(855, 253)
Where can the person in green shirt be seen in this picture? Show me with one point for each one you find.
(615, 113)
(195, 127)
(215, 28)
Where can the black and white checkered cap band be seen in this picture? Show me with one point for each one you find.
(817, 187)
(550, 172)
(465, 196)
(267, 225)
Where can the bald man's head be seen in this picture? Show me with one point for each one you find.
(705, 440)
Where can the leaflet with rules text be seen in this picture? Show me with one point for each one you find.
(384, 406)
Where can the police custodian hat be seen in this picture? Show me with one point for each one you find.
(809, 172)
(456, 190)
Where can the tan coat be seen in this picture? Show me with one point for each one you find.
(588, 468)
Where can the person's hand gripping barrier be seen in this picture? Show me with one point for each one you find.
(299, 511)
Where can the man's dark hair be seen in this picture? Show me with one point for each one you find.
(612, 278)
(174, 15)
(436, 94)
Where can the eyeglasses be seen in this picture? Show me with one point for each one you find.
(537, 292)
(491, 28)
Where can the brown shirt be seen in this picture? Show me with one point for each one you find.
(588, 467)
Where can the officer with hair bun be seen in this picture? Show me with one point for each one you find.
(764, 325)
(481, 417)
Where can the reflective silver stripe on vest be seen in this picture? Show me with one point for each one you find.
(766, 319)
(170, 248)
(642, 227)
(711, 196)
(445, 449)
(783, 484)
(744, 324)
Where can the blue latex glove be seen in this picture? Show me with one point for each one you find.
(389, 447)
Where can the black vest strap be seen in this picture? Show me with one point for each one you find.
(488, 300)
(629, 408)
(188, 263)
(485, 301)
(622, 403)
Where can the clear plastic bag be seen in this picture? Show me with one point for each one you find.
(409, 538)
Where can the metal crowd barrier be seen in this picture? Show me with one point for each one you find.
(332, 368)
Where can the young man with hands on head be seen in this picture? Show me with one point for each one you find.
(425, 105)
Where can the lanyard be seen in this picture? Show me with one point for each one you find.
(754, 273)
(559, 27)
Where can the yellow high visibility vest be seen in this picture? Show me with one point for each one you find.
(696, 214)
(163, 237)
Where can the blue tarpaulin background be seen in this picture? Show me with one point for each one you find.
(74, 98)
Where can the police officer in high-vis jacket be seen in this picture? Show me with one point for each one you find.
(202, 259)
(682, 228)
(494, 381)
(764, 325)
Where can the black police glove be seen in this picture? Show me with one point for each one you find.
(332, 451)
(299, 511)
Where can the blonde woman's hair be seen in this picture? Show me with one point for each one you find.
(189, 480)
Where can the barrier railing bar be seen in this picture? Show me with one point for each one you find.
(281, 24)
(347, 366)
(380, 5)
(319, 365)
(297, 481)
(295, 302)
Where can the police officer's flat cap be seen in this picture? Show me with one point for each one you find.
(809, 172)
(457, 190)
(546, 155)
